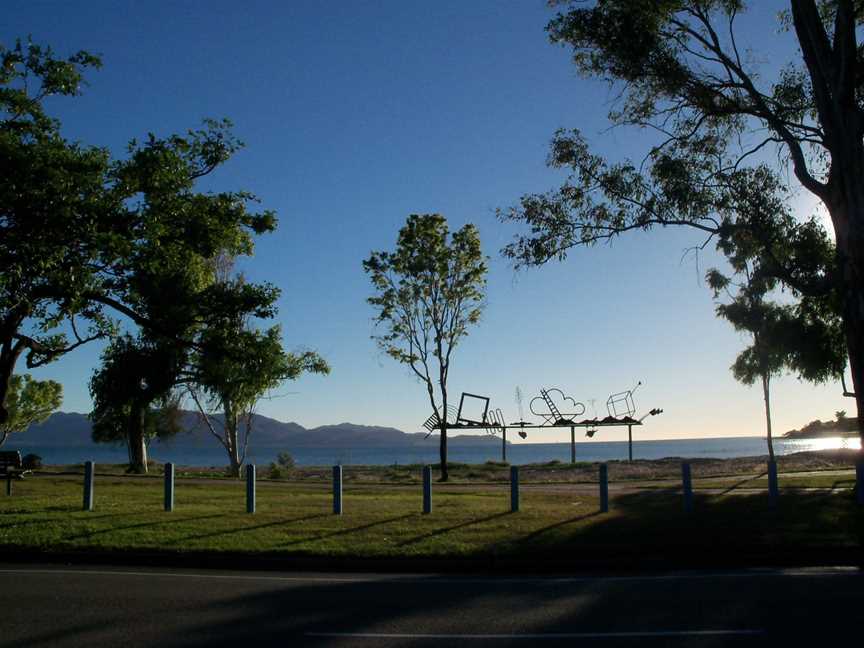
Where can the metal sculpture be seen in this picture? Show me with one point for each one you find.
(433, 422)
(621, 405)
(552, 415)
(495, 421)
(464, 419)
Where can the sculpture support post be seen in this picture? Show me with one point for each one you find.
(514, 489)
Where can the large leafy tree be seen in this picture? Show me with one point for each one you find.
(29, 401)
(87, 241)
(682, 71)
(428, 292)
(135, 374)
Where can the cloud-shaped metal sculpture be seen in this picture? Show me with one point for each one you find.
(546, 407)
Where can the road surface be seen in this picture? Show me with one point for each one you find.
(92, 606)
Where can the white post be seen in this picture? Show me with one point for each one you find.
(88, 485)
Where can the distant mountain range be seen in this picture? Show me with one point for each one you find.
(73, 429)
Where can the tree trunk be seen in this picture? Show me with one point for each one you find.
(9, 353)
(766, 382)
(849, 231)
(444, 473)
(231, 442)
(136, 442)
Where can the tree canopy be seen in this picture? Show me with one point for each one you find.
(681, 72)
(428, 292)
(87, 240)
(29, 401)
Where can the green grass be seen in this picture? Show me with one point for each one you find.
(294, 519)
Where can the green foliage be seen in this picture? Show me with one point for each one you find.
(135, 374)
(285, 460)
(427, 294)
(85, 239)
(680, 72)
(29, 401)
(428, 291)
(236, 365)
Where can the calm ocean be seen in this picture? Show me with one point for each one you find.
(517, 454)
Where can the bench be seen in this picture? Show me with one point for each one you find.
(11, 467)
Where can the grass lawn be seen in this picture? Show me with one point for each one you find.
(556, 526)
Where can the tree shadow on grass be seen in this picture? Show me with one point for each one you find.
(461, 525)
(741, 483)
(165, 520)
(52, 520)
(534, 535)
(649, 528)
(340, 532)
(245, 529)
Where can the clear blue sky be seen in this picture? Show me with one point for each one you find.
(356, 114)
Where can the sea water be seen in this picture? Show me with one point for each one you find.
(523, 453)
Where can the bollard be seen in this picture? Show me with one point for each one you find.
(687, 485)
(337, 490)
(859, 481)
(514, 489)
(427, 489)
(88, 485)
(773, 490)
(604, 488)
(250, 488)
(8, 485)
(169, 486)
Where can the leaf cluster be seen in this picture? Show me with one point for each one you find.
(428, 292)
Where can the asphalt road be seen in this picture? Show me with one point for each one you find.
(89, 606)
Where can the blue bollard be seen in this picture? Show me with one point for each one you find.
(514, 489)
(169, 486)
(859, 482)
(604, 488)
(337, 490)
(427, 489)
(250, 488)
(773, 489)
(687, 485)
(88, 485)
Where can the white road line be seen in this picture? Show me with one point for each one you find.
(436, 579)
(552, 635)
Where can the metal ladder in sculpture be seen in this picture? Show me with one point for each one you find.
(554, 411)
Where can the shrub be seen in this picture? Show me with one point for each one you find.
(276, 471)
(31, 461)
(285, 460)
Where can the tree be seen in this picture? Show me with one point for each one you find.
(428, 292)
(86, 239)
(29, 401)
(136, 373)
(682, 72)
(237, 366)
(805, 333)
